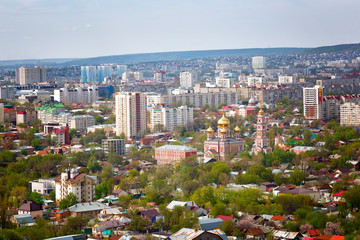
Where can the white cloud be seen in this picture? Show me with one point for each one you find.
(74, 28)
(88, 25)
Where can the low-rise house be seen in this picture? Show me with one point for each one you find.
(278, 234)
(148, 213)
(22, 220)
(210, 223)
(255, 233)
(201, 212)
(32, 208)
(197, 234)
(44, 186)
(119, 192)
(107, 225)
(173, 204)
(90, 208)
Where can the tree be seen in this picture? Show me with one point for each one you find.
(69, 201)
(52, 196)
(36, 197)
(227, 227)
(159, 128)
(305, 227)
(297, 177)
(36, 143)
(72, 133)
(93, 164)
(332, 228)
(74, 225)
(352, 198)
(124, 201)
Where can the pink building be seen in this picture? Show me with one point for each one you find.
(170, 154)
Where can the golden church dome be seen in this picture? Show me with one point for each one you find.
(223, 122)
(210, 130)
(237, 129)
(223, 131)
(261, 111)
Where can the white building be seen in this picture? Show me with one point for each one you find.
(256, 80)
(68, 96)
(44, 186)
(196, 99)
(7, 92)
(188, 79)
(130, 111)
(171, 117)
(48, 113)
(225, 82)
(81, 122)
(313, 99)
(287, 79)
(80, 184)
(159, 76)
(350, 114)
(28, 75)
(258, 62)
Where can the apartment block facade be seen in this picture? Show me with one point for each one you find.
(170, 117)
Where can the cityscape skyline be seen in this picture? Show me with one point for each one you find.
(40, 29)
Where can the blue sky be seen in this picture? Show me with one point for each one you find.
(89, 28)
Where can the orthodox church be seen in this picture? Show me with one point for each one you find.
(223, 144)
(261, 140)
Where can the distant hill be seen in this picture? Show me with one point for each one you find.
(334, 49)
(170, 56)
(38, 62)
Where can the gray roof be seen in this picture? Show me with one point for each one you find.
(24, 218)
(209, 223)
(176, 148)
(69, 237)
(86, 207)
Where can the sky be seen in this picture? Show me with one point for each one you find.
(38, 29)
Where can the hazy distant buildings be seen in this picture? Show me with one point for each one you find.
(130, 111)
(121, 69)
(188, 79)
(258, 62)
(96, 74)
(159, 76)
(27, 75)
(225, 82)
(88, 74)
(286, 79)
(340, 85)
(256, 80)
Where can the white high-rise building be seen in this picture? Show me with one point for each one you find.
(313, 101)
(171, 117)
(2, 114)
(188, 79)
(258, 62)
(160, 76)
(350, 114)
(68, 96)
(130, 110)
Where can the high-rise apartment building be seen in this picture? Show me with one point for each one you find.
(68, 96)
(188, 79)
(313, 100)
(350, 114)
(27, 75)
(170, 118)
(104, 71)
(160, 76)
(258, 62)
(130, 110)
(88, 74)
(121, 69)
